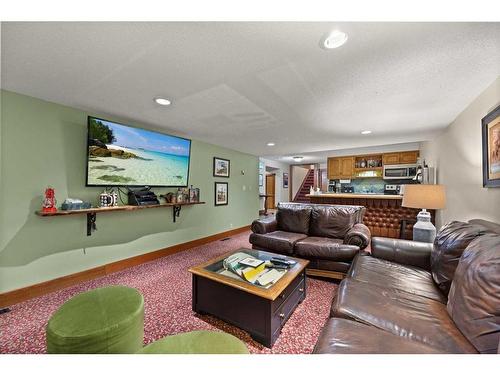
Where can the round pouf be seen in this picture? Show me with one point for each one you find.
(197, 342)
(103, 320)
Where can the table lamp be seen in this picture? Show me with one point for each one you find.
(424, 197)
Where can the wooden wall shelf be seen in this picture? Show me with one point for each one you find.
(92, 212)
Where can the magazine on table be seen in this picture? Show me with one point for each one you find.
(236, 266)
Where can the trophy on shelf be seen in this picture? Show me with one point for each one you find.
(49, 202)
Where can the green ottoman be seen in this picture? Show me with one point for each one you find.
(103, 320)
(197, 342)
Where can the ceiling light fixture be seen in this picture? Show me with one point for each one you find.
(162, 101)
(334, 40)
(298, 158)
(270, 144)
(364, 132)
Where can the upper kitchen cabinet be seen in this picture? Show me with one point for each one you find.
(409, 157)
(392, 158)
(347, 167)
(368, 165)
(405, 157)
(341, 167)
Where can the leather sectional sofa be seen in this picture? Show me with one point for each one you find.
(329, 236)
(414, 297)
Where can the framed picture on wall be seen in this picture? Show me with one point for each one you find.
(221, 167)
(491, 148)
(261, 179)
(285, 180)
(221, 193)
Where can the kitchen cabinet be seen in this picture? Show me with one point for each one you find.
(408, 157)
(405, 157)
(341, 167)
(345, 166)
(333, 168)
(392, 158)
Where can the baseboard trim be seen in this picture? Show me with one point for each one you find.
(46, 287)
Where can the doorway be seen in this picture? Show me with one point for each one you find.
(271, 191)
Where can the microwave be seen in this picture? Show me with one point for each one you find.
(400, 171)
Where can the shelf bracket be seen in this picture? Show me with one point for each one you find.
(176, 211)
(91, 218)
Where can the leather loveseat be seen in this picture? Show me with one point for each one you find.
(414, 297)
(329, 236)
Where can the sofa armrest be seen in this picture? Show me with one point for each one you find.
(358, 235)
(411, 253)
(263, 226)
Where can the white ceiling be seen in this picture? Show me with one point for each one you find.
(241, 85)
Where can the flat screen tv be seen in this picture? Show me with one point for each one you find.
(121, 155)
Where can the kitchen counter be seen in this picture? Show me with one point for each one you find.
(384, 215)
(353, 195)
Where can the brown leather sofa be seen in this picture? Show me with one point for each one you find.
(329, 236)
(414, 297)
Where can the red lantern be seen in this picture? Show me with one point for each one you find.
(49, 203)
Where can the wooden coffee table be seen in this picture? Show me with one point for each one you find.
(259, 311)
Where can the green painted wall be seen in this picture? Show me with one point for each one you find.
(44, 144)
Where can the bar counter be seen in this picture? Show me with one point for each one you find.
(354, 195)
(384, 214)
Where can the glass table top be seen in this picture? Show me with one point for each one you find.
(237, 266)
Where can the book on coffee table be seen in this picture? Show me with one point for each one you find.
(251, 261)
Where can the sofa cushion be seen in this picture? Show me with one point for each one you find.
(474, 299)
(328, 265)
(325, 248)
(450, 242)
(332, 221)
(293, 219)
(404, 314)
(277, 241)
(395, 276)
(342, 336)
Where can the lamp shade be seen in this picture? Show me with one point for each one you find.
(424, 196)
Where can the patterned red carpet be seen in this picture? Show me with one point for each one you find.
(166, 286)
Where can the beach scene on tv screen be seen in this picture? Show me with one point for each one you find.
(123, 155)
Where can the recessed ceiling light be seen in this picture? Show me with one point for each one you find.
(270, 144)
(366, 132)
(162, 101)
(298, 158)
(334, 40)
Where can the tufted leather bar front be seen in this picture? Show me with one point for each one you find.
(383, 216)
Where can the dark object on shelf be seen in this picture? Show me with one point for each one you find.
(169, 197)
(75, 205)
(194, 194)
(142, 197)
(92, 212)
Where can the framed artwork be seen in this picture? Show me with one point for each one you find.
(221, 167)
(491, 148)
(261, 179)
(285, 180)
(221, 193)
(194, 195)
